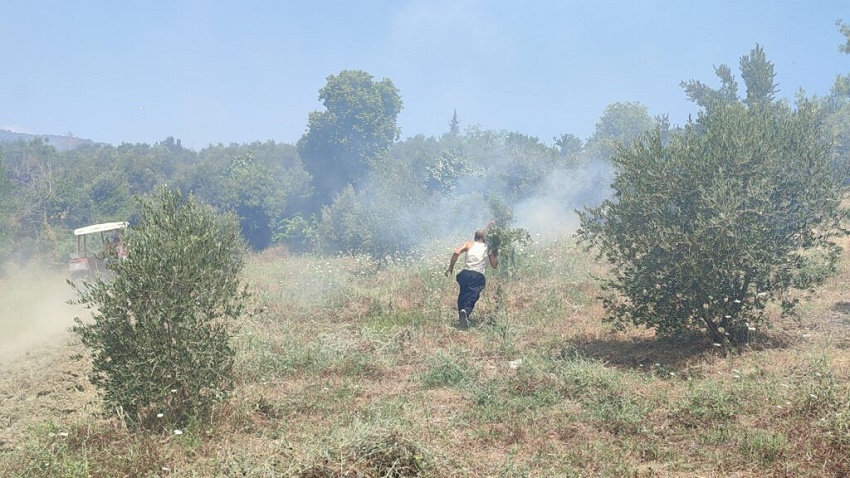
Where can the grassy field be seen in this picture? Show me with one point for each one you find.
(347, 369)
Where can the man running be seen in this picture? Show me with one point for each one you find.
(471, 278)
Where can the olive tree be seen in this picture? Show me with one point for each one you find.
(160, 327)
(734, 213)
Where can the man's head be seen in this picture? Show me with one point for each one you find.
(480, 235)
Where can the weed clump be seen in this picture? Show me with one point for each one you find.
(386, 455)
(390, 455)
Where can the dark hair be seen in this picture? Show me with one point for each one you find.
(479, 234)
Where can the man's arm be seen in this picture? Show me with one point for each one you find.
(494, 259)
(460, 250)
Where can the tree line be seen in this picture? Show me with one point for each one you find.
(349, 184)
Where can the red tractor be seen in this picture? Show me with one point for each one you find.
(93, 249)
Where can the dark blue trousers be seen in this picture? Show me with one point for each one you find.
(471, 284)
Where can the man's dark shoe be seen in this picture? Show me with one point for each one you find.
(463, 319)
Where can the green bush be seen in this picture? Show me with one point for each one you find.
(501, 238)
(297, 232)
(159, 334)
(381, 222)
(732, 214)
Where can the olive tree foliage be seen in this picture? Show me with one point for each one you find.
(844, 28)
(735, 212)
(159, 336)
(357, 126)
(758, 75)
(708, 97)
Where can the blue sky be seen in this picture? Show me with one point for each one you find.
(210, 72)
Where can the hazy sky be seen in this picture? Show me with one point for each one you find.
(237, 72)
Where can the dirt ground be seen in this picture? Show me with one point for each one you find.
(41, 382)
(38, 378)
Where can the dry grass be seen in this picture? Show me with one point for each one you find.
(348, 370)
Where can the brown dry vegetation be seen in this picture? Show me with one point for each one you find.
(345, 370)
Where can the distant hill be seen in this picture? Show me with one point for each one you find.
(61, 143)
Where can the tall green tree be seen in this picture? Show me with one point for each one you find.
(621, 123)
(357, 125)
(454, 125)
(258, 182)
(568, 144)
(734, 213)
(34, 168)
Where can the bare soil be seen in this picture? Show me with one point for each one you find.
(38, 378)
(42, 382)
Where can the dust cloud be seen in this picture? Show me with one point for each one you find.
(34, 311)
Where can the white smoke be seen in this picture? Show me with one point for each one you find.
(551, 212)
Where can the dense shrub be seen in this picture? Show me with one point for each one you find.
(159, 335)
(731, 215)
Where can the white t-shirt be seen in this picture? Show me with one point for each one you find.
(476, 257)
